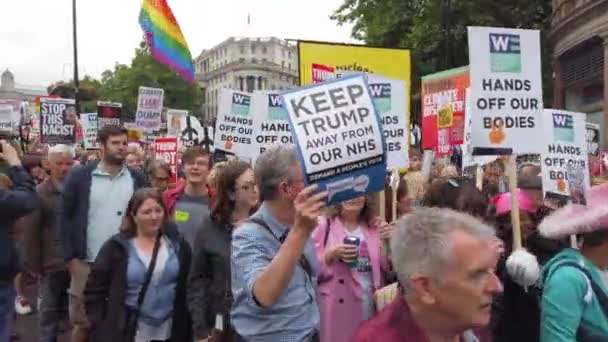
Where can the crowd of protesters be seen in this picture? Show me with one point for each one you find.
(242, 252)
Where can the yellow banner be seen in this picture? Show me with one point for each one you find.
(331, 57)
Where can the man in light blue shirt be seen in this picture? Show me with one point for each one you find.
(274, 265)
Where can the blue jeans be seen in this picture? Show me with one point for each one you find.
(7, 306)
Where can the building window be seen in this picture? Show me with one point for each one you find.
(241, 60)
(242, 50)
(254, 60)
(264, 50)
(289, 54)
(282, 64)
(264, 60)
(252, 49)
(225, 51)
(283, 53)
(289, 66)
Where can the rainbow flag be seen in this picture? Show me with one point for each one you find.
(165, 38)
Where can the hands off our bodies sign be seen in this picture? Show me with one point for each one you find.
(339, 137)
(234, 125)
(565, 151)
(506, 90)
(271, 122)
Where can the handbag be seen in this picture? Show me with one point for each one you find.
(133, 317)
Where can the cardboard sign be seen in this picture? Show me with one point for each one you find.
(149, 108)
(443, 110)
(271, 122)
(234, 125)
(108, 114)
(176, 121)
(506, 87)
(390, 100)
(166, 149)
(338, 136)
(321, 73)
(58, 120)
(565, 145)
(468, 159)
(6, 118)
(88, 122)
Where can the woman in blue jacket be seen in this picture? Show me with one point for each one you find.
(574, 306)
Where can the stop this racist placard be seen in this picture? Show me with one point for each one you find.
(58, 120)
(443, 110)
(271, 122)
(149, 109)
(234, 124)
(339, 137)
(506, 89)
(166, 149)
(565, 147)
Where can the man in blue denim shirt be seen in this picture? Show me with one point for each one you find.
(273, 272)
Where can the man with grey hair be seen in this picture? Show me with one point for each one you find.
(42, 247)
(445, 263)
(273, 259)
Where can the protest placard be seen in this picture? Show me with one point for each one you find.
(506, 87)
(165, 149)
(593, 139)
(468, 159)
(58, 120)
(270, 122)
(149, 108)
(6, 118)
(108, 114)
(565, 145)
(88, 122)
(443, 110)
(390, 98)
(176, 121)
(338, 136)
(234, 125)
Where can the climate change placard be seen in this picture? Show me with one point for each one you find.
(149, 108)
(443, 110)
(88, 122)
(108, 114)
(166, 149)
(506, 89)
(389, 96)
(271, 123)
(339, 137)
(565, 146)
(58, 120)
(234, 124)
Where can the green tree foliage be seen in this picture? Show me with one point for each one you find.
(436, 30)
(121, 84)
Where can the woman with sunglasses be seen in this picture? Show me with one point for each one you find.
(209, 294)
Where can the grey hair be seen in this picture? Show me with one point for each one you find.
(61, 149)
(419, 243)
(275, 165)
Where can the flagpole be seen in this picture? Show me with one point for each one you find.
(75, 45)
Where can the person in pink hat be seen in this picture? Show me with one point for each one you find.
(516, 312)
(575, 296)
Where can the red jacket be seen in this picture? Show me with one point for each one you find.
(396, 324)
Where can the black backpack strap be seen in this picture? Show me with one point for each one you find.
(302, 261)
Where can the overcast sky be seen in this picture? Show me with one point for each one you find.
(36, 35)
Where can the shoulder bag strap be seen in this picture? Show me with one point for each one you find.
(598, 292)
(327, 227)
(146, 284)
(302, 261)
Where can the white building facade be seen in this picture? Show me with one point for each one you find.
(245, 64)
